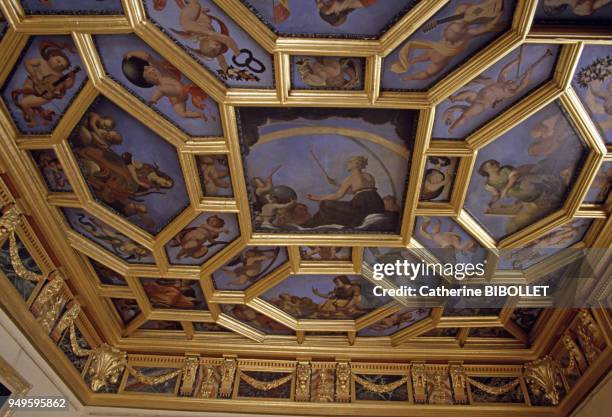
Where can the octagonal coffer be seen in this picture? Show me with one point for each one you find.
(154, 80)
(453, 34)
(45, 80)
(128, 167)
(338, 19)
(494, 90)
(229, 53)
(525, 174)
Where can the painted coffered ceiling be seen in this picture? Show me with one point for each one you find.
(218, 177)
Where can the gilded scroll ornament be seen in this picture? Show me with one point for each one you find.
(71, 314)
(440, 392)
(458, 381)
(343, 379)
(190, 370)
(9, 221)
(576, 357)
(156, 380)
(323, 386)
(302, 386)
(380, 388)
(265, 385)
(21, 271)
(49, 303)
(543, 377)
(586, 342)
(210, 379)
(419, 382)
(592, 328)
(107, 365)
(228, 371)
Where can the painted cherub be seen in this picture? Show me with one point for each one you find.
(145, 71)
(250, 265)
(490, 94)
(437, 178)
(262, 187)
(214, 176)
(455, 39)
(445, 240)
(196, 241)
(47, 80)
(335, 12)
(98, 131)
(197, 25)
(328, 72)
(269, 210)
(434, 183)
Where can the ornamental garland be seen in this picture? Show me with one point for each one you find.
(265, 385)
(74, 344)
(494, 390)
(20, 269)
(380, 388)
(147, 380)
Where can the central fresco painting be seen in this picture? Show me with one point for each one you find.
(326, 170)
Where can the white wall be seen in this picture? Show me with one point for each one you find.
(599, 401)
(28, 363)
